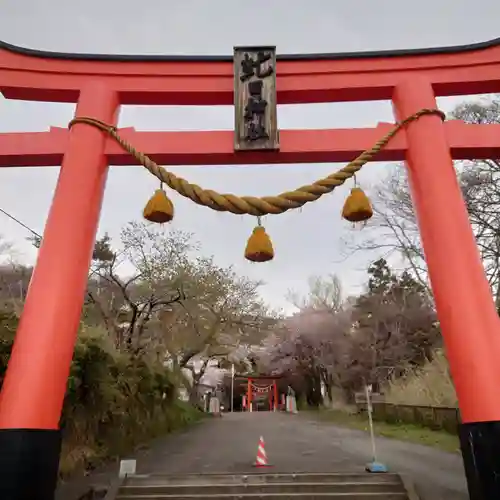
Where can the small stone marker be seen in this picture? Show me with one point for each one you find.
(127, 468)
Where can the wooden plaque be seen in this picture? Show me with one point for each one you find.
(256, 117)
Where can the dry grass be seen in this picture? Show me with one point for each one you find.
(430, 385)
(84, 450)
(403, 432)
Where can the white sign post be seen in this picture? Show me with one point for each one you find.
(232, 387)
(368, 392)
(374, 465)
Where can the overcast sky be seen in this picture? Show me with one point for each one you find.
(307, 242)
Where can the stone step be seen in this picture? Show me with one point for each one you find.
(273, 496)
(262, 485)
(288, 487)
(260, 478)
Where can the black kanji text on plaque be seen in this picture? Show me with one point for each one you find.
(255, 99)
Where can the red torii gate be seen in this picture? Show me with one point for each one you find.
(35, 382)
(272, 389)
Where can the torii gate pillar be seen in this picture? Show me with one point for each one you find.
(462, 294)
(35, 384)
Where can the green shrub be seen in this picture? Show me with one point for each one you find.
(113, 401)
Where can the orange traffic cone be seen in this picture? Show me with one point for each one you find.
(261, 460)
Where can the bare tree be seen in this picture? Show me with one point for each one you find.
(324, 294)
(312, 349)
(394, 228)
(374, 337)
(225, 314)
(394, 323)
(177, 304)
(480, 185)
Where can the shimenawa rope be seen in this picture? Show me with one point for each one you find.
(249, 204)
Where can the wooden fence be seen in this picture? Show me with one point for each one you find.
(433, 417)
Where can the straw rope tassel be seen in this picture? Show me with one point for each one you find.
(259, 246)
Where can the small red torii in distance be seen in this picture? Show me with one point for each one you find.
(35, 383)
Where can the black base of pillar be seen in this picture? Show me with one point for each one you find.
(29, 463)
(480, 444)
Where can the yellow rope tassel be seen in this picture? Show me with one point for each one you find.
(159, 208)
(259, 246)
(357, 206)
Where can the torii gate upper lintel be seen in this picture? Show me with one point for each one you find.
(35, 383)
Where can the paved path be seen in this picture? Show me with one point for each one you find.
(299, 444)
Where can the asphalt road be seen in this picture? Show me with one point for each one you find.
(298, 444)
